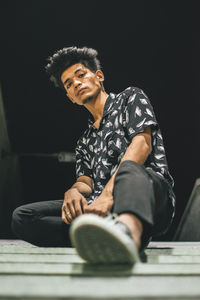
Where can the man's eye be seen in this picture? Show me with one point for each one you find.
(69, 84)
(81, 75)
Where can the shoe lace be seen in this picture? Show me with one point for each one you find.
(112, 217)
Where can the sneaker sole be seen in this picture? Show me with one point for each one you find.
(96, 241)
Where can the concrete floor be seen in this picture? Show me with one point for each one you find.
(168, 270)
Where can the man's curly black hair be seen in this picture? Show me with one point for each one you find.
(66, 57)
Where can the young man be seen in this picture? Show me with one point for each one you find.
(123, 195)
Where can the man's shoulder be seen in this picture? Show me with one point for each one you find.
(130, 91)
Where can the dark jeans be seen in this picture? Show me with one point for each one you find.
(136, 190)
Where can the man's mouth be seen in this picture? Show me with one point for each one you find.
(81, 91)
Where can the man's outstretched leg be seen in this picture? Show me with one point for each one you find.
(40, 224)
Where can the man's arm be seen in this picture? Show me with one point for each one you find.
(137, 151)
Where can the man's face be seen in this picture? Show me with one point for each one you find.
(81, 84)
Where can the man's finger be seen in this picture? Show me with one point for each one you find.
(68, 215)
(92, 210)
(88, 209)
(78, 208)
(103, 214)
(64, 217)
(71, 210)
(84, 205)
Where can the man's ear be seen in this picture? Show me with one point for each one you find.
(100, 75)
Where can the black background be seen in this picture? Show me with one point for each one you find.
(153, 45)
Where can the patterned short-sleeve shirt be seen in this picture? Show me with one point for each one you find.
(99, 151)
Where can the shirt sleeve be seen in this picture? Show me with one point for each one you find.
(83, 160)
(139, 114)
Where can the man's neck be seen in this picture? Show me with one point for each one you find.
(96, 105)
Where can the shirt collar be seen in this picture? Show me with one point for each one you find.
(108, 108)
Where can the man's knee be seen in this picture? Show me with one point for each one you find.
(131, 173)
(21, 216)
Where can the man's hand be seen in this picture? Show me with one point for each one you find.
(101, 205)
(74, 205)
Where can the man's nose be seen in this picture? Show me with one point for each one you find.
(77, 83)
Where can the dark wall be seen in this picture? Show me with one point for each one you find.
(149, 44)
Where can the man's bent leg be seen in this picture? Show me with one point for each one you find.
(141, 202)
(41, 224)
(144, 194)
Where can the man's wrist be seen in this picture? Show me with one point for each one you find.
(82, 188)
(74, 188)
(107, 192)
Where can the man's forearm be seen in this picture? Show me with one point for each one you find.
(83, 188)
(138, 151)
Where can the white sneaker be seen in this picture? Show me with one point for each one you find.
(103, 240)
